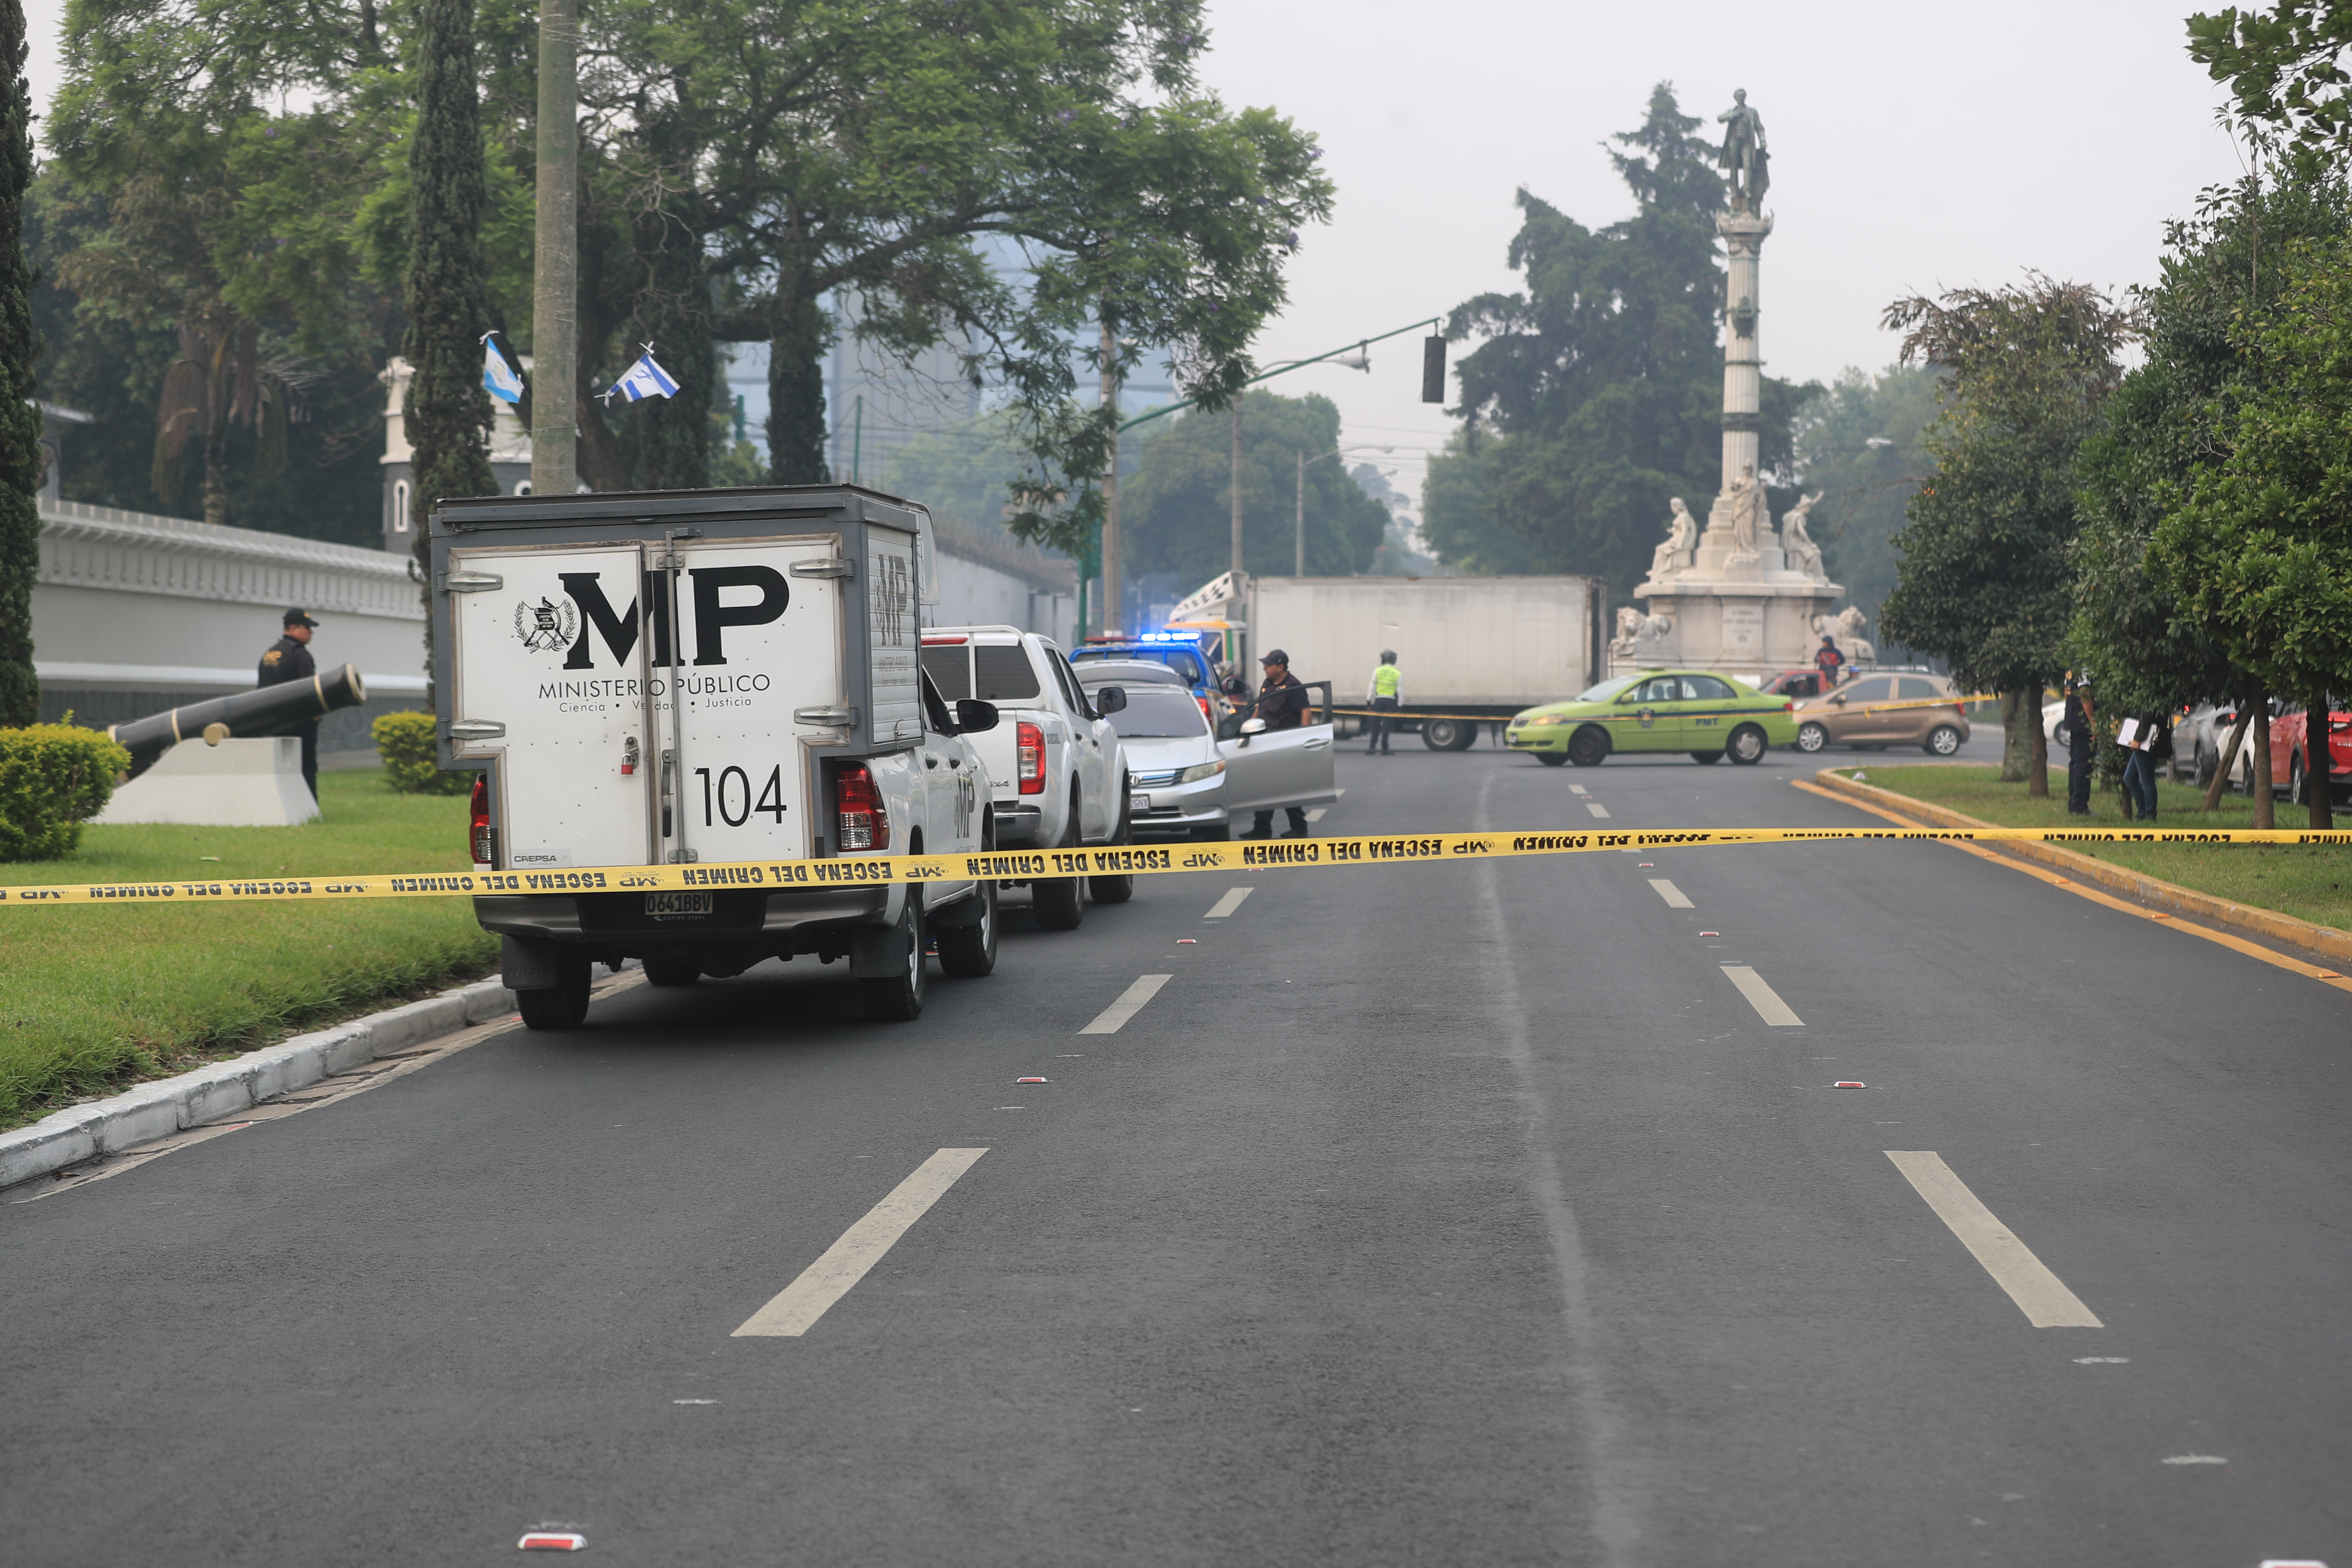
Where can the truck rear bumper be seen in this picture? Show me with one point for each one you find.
(618, 920)
(1018, 824)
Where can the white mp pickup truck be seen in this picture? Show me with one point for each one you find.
(1056, 777)
(787, 722)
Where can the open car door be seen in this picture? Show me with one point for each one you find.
(1266, 770)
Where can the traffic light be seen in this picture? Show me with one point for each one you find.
(1432, 369)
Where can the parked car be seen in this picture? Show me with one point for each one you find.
(1872, 712)
(1707, 715)
(1792, 683)
(2291, 748)
(1054, 768)
(1176, 773)
(1182, 654)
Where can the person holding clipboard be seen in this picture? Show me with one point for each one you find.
(2148, 742)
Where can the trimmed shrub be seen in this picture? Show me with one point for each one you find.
(404, 742)
(53, 778)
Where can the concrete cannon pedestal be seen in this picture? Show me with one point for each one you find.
(235, 783)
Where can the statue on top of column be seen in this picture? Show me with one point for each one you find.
(1745, 160)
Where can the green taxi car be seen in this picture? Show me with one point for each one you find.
(1707, 715)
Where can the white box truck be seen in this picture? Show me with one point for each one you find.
(685, 677)
(1469, 649)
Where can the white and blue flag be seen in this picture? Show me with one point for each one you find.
(498, 377)
(645, 379)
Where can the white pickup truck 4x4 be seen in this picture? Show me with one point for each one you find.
(1056, 777)
(787, 736)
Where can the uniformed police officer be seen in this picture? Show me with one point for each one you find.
(1282, 702)
(289, 659)
(1387, 685)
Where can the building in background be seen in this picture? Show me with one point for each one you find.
(509, 455)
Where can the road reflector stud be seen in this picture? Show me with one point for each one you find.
(553, 1540)
(1029, 1080)
(1710, 933)
(1646, 866)
(1188, 942)
(1846, 1083)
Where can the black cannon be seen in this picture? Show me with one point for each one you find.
(278, 710)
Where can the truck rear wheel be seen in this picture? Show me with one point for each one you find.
(1059, 902)
(897, 999)
(1448, 735)
(565, 1005)
(969, 952)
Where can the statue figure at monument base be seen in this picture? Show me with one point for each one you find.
(1741, 509)
(1798, 544)
(1845, 627)
(1682, 539)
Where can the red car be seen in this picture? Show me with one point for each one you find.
(1791, 683)
(2290, 751)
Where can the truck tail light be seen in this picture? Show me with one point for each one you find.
(485, 852)
(1029, 743)
(864, 825)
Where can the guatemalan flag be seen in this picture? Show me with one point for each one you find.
(645, 379)
(497, 376)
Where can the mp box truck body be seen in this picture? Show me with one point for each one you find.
(678, 677)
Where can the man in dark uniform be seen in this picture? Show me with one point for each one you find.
(1282, 702)
(2080, 723)
(289, 659)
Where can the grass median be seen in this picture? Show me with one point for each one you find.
(92, 998)
(2310, 882)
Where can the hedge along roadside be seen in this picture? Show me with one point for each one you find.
(405, 743)
(53, 777)
(1301, 853)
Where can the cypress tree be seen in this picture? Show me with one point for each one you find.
(447, 414)
(796, 432)
(20, 423)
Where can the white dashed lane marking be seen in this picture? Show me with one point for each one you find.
(1130, 1002)
(795, 1310)
(1228, 904)
(1596, 808)
(1317, 814)
(1578, 790)
(1761, 996)
(1674, 896)
(2041, 1295)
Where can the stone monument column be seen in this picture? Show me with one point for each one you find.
(1743, 596)
(1743, 361)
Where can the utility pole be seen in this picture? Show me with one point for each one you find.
(1113, 601)
(1298, 568)
(1238, 487)
(555, 276)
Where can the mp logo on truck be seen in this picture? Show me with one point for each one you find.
(711, 615)
(546, 628)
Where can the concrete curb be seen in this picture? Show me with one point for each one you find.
(157, 1109)
(2270, 923)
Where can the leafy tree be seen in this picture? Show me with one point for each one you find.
(2151, 650)
(2255, 543)
(1177, 512)
(1605, 377)
(1985, 580)
(447, 413)
(1461, 517)
(20, 426)
(2285, 70)
(1860, 445)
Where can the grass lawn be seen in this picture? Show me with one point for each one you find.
(2311, 883)
(94, 997)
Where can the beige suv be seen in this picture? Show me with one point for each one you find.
(1872, 712)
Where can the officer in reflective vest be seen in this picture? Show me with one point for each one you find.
(1387, 684)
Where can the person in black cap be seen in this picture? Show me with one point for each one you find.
(1282, 702)
(289, 659)
(2081, 726)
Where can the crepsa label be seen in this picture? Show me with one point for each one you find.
(787, 876)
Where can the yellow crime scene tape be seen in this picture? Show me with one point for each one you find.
(1049, 864)
(1505, 719)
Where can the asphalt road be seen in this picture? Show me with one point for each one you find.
(1442, 1214)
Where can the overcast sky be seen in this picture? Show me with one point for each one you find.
(1912, 149)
